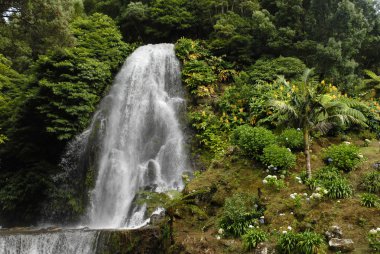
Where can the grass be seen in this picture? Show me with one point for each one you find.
(233, 174)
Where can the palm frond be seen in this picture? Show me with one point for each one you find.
(284, 108)
(372, 75)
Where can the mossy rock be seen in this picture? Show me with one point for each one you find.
(138, 241)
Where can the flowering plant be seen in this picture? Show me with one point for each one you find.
(272, 181)
(374, 239)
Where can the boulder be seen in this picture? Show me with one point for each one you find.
(334, 232)
(342, 245)
(157, 218)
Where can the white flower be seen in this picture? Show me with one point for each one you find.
(347, 142)
(265, 181)
(378, 229)
(318, 189)
(262, 217)
(284, 232)
(325, 192)
(221, 231)
(300, 182)
(289, 150)
(286, 139)
(282, 176)
(360, 156)
(298, 129)
(218, 237)
(298, 178)
(255, 205)
(291, 213)
(305, 194)
(289, 228)
(282, 214)
(250, 226)
(373, 231)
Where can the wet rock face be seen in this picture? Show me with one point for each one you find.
(149, 240)
(342, 245)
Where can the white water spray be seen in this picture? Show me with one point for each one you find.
(134, 143)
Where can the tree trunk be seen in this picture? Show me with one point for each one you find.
(307, 152)
(171, 220)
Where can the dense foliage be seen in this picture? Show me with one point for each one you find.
(243, 65)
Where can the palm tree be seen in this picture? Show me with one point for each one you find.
(172, 202)
(373, 81)
(311, 106)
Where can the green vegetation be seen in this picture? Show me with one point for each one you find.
(371, 182)
(292, 139)
(240, 212)
(370, 200)
(270, 84)
(345, 157)
(253, 237)
(279, 157)
(253, 140)
(305, 243)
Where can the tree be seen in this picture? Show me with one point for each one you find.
(311, 105)
(72, 80)
(373, 81)
(172, 202)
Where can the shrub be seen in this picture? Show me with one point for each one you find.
(344, 156)
(309, 243)
(273, 182)
(369, 200)
(371, 182)
(332, 180)
(279, 157)
(252, 140)
(239, 212)
(269, 69)
(292, 138)
(253, 237)
(337, 188)
(374, 239)
(300, 243)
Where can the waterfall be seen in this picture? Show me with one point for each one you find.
(67, 242)
(140, 135)
(134, 143)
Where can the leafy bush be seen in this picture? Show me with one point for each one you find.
(273, 182)
(369, 200)
(374, 239)
(235, 103)
(300, 243)
(292, 138)
(371, 182)
(344, 156)
(279, 157)
(338, 188)
(253, 237)
(207, 126)
(239, 212)
(332, 180)
(252, 140)
(197, 73)
(269, 69)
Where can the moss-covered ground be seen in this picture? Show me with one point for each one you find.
(234, 173)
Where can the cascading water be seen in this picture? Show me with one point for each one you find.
(134, 143)
(142, 143)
